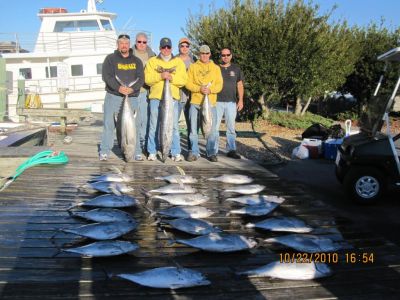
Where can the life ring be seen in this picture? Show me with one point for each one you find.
(53, 10)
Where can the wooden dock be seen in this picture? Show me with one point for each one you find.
(34, 208)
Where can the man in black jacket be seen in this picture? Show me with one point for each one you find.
(128, 68)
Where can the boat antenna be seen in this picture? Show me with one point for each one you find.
(91, 6)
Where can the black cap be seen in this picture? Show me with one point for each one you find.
(124, 36)
(165, 42)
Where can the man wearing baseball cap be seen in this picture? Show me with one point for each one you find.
(204, 78)
(187, 58)
(158, 69)
(128, 68)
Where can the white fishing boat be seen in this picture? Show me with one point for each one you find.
(66, 60)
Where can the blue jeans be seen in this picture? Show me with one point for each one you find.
(229, 110)
(194, 112)
(112, 107)
(152, 143)
(143, 117)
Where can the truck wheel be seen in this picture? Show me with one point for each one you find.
(365, 185)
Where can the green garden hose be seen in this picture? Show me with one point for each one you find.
(44, 157)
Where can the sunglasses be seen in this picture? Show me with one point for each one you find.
(166, 47)
(205, 53)
(141, 42)
(184, 46)
(225, 55)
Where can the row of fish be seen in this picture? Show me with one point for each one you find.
(178, 277)
(110, 222)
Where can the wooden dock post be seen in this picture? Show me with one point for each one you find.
(63, 120)
(3, 89)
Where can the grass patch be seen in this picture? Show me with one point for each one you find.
(290, 120)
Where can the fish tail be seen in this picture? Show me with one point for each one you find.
(181, 171)
(145, 192)
(71, 207)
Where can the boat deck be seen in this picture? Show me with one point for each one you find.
(34, 208)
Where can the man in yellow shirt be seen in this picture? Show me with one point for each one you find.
(155, 79)
(204, 78)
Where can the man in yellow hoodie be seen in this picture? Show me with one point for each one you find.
(155, 79)
(204, 78)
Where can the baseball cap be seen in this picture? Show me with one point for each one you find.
(184, 40)
(204, 49)
(124, 36)
(165, 42)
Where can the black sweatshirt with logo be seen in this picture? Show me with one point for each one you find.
(127, 69)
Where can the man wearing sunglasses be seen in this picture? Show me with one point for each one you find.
(187, 58)
(231, 93)
(143, 52)
(158, 69)
(204, 78)
(128, 68)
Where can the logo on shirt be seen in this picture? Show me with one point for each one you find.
(126, 67)
(232, 73)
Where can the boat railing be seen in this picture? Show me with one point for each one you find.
(50, 86)
(75, 42)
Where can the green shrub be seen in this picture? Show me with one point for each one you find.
(350, 114)
(292, 121)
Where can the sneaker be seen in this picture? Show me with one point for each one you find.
(152, 157)
(103, 156)
(177, 158)
(191, 157)
(213, 158)
(233, 154)
(138, 157)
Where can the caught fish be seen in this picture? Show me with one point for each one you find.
(113, 177)
(186, 212)
(308, 243)
(288, 224)
(166, 118)
(128, 126)
(183, 199)
(215, 242)
(102, 215)
(233, 179)
(290, 270)
(192, 226)
(178, 179)
(103, 231)
(104, 248)
(116, 188)
(206, 116)
(255, 210)
(109, 200)
(167, 278)
(246, 189)
(174, 188)
(256, 199)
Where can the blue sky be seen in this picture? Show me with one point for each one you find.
(166, 18)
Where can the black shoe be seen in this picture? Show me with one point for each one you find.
(191, 157)
(233, 154)
(213, 158)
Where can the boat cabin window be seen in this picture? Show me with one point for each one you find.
(53, 71)
(99, 68)
(106, 24)
(26, 73)
(71, 26)
(76, 70)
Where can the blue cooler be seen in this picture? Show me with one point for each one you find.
(330, 148)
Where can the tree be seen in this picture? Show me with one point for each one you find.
(373, 41)
(287, 51)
